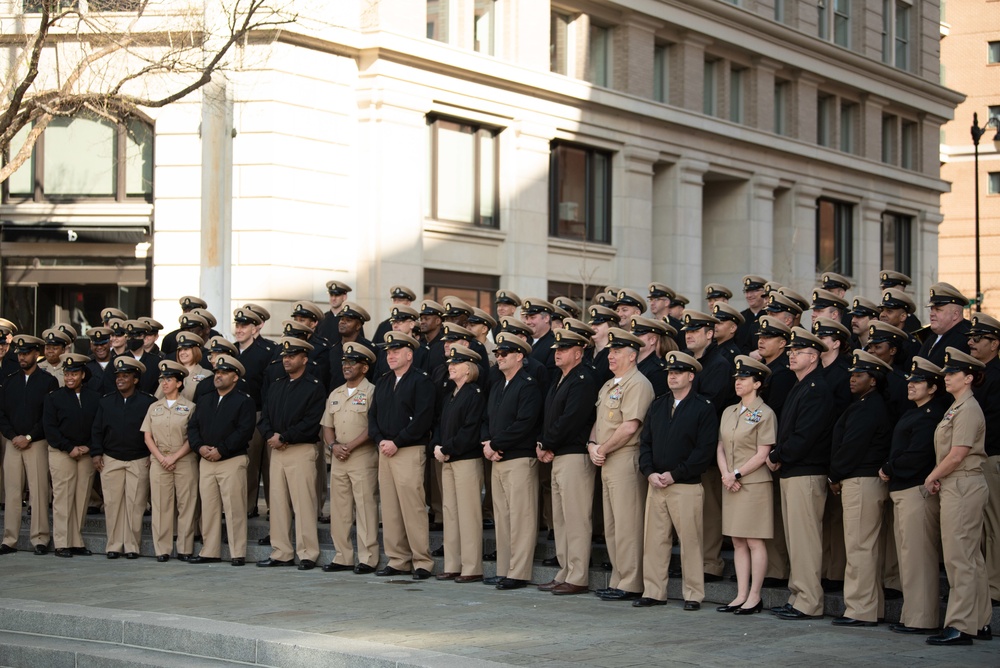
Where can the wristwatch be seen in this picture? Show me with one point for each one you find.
(28, 438)
(736, 472)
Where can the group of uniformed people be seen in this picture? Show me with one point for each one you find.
(856, 450)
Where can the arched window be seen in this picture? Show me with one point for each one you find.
(84, 157)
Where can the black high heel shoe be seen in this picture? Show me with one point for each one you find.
(750, 611)
(728, 608)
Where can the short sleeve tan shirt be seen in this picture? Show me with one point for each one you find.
(742, 433)
(168, 425)
(627, 400)
(348, 415)
(963, 424)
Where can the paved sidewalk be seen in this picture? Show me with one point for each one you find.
(523, 627)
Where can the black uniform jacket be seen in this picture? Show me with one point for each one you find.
(116, 427)
(602, 372)
(683, 444)
(543, 351)
(778, 385)
(988, 396)
(861, 439)
(655, 371)
(255, 359)
(956, 337)
(226, 425)
(69, 419)
(458, 429)
(803, 446)
(912, 456)
(838, 379)
(22, 403)
(402, 412)
(293, 408)
(715, 380)
(569, 412)
(512, 414)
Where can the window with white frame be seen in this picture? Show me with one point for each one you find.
(485, 27)
(909, 141)
(708, 98)
(737, 83)
(462, 184)
(993, 53)
(835, 21)
(661, 73)
(559, 38)
(993, 184)
(890, 125)
(824, 120)
(849, 115)
(897, 16)
(599, 55)
(782, 91)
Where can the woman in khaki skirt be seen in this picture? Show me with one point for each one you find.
(457, 446)
(747, 432)
(960, 445)
(173, 479)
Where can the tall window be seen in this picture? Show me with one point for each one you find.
(580, 193)
(908, 143)
(661, 73)
(463, 173)
(709, 96)
(437, 20)
(559, 43)
(736, 85)
(485, 27)
(896, 242)
(896, 17)
(848, 126)
(824, 120)
(84, 157)
(599, 55)
(781, 93)
(835, 21)
(834, 236)
(779, 11)
(889, 132)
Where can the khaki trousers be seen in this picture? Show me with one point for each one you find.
(223, 488)
(777, 548)
(711, 482)
(624, 497)
(293, 490)
(991, 525)
(71, 480)
(515, 512)
(572, 515)
(404, 513)
(353, 489)
(963, 498)
(258, 468)
(863, 501)
(463, 516)
(834, 556)
(126, 490)
(803, 499)
(31, 464)
(673, 508)
(174, 494)
(917, 524)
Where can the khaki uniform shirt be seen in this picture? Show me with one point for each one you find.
(348, 415)
(56, 371)
(629, 399)
(168, 425)
(742, 433)
(963, 424)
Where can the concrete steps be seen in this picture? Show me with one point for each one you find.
(715, 592)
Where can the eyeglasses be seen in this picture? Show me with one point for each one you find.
(798, 351)
(979, 337)
(501, 353)
(347, 362)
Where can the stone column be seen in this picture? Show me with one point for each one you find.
(677, 225)
(217, 197)
(925, 259)
(795, 240)
(868, 248)
(871, 127)
(802, 107)
(760, 94)
(524, 187)
(632, 216)
(634, 42)
(526, 34)
(687, 72)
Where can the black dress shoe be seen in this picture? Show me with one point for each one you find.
(204, 560)
(750, 611)
(421, 574)
(162, 558)
(605, 590)
(387, 571)
(729, 608)
(184, 557)
(493, 581)
(848, 621)
(306, 564)
(619, 595)
(438, 551)
(41, 549)
(692, 605)
(778, 609)
(335, 568)
(490, 556)
(646, 602)
(512, 583)
(710, 577)
(950, 636)
(80, 552)
(63, 552)
(131, 555)
(363, 569)
(273, 563)
(985, 633)
(911, 630)
(114, 555)
(551, 561)
(238, 561)
(266, 540)
(774, 583)
(796, 615)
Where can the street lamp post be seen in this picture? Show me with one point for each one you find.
(977, 134)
